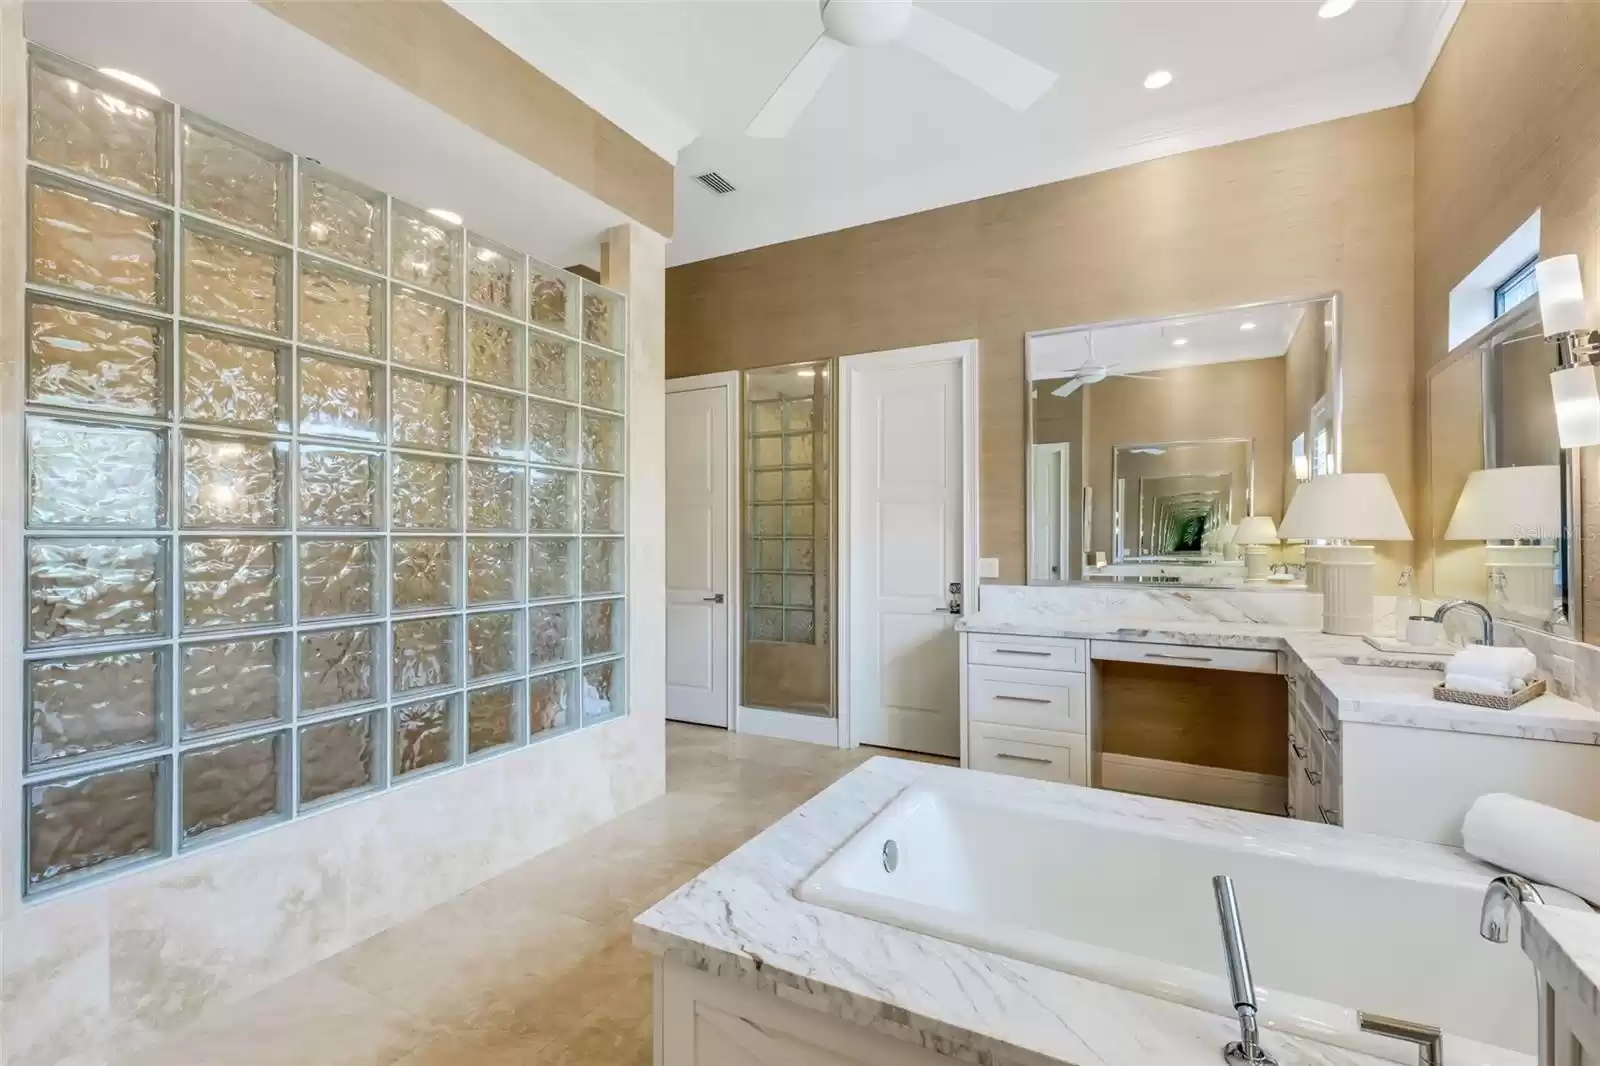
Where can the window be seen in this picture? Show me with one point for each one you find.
(1521, 284)
(324, 494)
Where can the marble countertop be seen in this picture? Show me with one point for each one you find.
(740, 921)
(1565, 946)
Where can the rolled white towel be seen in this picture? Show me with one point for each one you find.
(1508, 665)
(1541, 843)
(1482, 685)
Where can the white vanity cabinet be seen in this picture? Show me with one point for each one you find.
(1027, 703)
(1314, 768)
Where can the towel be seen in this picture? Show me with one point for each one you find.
(1482, 685)
(1509, 666)
(1541, 843)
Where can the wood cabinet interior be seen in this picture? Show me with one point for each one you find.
(1220, 718)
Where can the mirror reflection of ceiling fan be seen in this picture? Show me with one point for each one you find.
(846, 24)
(1091, 372)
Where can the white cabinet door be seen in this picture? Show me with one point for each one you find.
(698, 599)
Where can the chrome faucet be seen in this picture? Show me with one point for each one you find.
(1472, 605)
(1246, 1050)
(1494, 923)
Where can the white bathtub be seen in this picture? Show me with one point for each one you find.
(1127, 901)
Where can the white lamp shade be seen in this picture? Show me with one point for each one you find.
(1509, 503)
(1345, 507)
(1560, 295)
(1257, 529)
(1577, 395)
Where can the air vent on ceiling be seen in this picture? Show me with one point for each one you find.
(715, 182)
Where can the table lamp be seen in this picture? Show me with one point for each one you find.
(1517, 504)
(1342, 508)
(1253, 535)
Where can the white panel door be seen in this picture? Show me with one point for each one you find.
(698, 607)
(905, 485)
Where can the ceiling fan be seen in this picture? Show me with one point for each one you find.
(846, 24)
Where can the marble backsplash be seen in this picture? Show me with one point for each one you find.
(1283, 607)
(1570, 667)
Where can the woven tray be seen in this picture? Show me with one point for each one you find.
(1494, 703)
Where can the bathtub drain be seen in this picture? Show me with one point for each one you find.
(891, 856)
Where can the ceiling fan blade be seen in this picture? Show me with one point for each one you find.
(1004, 75)
(791, 97)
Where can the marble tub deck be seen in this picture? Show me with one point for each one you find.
(740, 921)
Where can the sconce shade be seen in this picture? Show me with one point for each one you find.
(1560, 295)
(1257, 529)
(1577, 395)
(1345, 507)
(1509, 503)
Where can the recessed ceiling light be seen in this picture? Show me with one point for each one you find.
(1332, 9)
(1247, 326)
(807, 373)
(134, 80)
(1160, 79)
(445, 216)
(1179, 342)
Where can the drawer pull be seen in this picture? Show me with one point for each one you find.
(1299, 752)
(1330, 817)
(1329, 735)
(1314, 776)
(1021, 699)
(1023, 758)
(1023, 651)
(1288, 808)
(1177, 658)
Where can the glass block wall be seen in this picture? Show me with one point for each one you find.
(324, 493)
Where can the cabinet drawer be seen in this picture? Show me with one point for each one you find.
(1032, 653)
(1242, 659)
(1036, 699)
(1038, 753)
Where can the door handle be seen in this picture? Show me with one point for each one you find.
(717, 598)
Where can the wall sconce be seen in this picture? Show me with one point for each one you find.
(1575, 388)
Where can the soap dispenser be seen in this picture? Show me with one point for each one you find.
(1406, 604)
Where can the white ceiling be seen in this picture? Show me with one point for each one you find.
(891, 134)
(240, 65)
(1219, 337)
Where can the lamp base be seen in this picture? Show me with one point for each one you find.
(1346, 585)
(1255, 564)
(1313, 565)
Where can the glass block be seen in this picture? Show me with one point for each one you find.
(799, 626)
(232, 381)
(550, 701)
(232, 581)
(797, 484)
(339, 488)
(493, 570)
(797, 450)
(494, 351)
(766, 555)
(766, 486)
(494, 423)
(605, 380)
(605, 322)
(233, 784)
(339, 398)
(494, 498)
(423, 570)
(550, 567)
(426, 253)
(602, 691)
(338, 578)
(424, 735)
(492, 643)
(97, 243)
(234, 281)
(602, 564)
(423, 332)
(338, 667)
(233, 483)
(552, 366)
(552, 298)
(339, 757)
(765, 624)
(552, 501)
(492, 717)
(340, 218)
(550, 633)
(801, 557)
(80, 120)
(798, 520)
(102, 589)
(602, 504)
(340, 309)
(494, 276)
(602, 628)
(95, 704)
(78, 823)
(81, 356)
(235, 178)
(422, 413)
(766, 590)
(422, 493)
(93, 474)
(767, 521)
(797, 414)
(228, 684)
(602, 442)
(552, 434)
(766, 451)
(797, 591)
(766, 416)
(424, 654)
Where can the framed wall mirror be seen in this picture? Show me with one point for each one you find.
(1151, 442)
(1502, 493)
